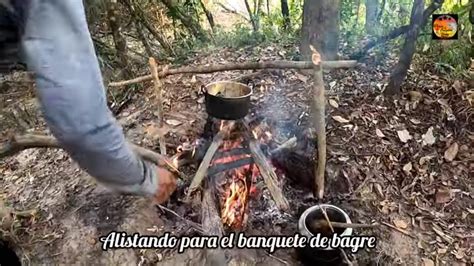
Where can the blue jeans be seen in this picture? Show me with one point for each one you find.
(58, 48)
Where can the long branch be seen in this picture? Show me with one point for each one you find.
(19, 143)
(238, 66)
(396, 32)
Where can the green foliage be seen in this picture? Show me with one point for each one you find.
(451, 57)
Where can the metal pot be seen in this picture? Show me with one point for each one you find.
(227, 100)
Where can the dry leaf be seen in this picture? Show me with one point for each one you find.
(332, 84)
(340, 119)
(443, 195)
(428, 137)
(333, 103)
(154, 132)
(407, 167)
(400, 223)
(414, 96)
(451, 152)
(415, 121)
(302, 77)
(379, 133)
(173, 122)
(425, 159)
(404, 135)
(427, 262)
(378, 189)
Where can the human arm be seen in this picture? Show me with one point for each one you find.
(58, 48)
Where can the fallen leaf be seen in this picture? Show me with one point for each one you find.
(332, 84)
(451, 152)
(427, 262)
(201, 100)
(414, 96)
(333, 103)
(302, 77)
(425, 159)
(442, 251)
(404, 135)
(400, 223)
(340, 119)
(173, 122)
(443, 195)
(428, 137)
(415, 121)
(379, 133)
(154, 132)
(378, 189)
(407, 168)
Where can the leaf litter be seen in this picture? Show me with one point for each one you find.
(423, 183)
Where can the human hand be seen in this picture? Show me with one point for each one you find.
(166, 185)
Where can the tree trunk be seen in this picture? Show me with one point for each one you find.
(285, 12)
(119, 41)
(139, 16)
(251, 16)
(409, 47)
(320, 28)
(371, 11)
(209, 15)
(192, 25)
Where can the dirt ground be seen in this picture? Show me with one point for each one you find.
(406, 163)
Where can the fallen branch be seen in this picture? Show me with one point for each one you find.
(158, 94)
(321, 224)
(395, 32)
(23, 142)
(238, 66)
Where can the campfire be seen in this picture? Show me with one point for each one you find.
(233, 170)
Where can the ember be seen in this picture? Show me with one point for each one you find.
(238, 182)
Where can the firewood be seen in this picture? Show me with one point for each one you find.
(238, 66)
(212, 226)
(159, 99)
(206, 162)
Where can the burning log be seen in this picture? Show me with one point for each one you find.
(212, 226)
(229, 166)
(204, 166)
(269, 176)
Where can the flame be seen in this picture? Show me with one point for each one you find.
(240, 185)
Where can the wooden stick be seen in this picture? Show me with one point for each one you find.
(322, 224)
(238, 66)
(212, 226)
(158, 93)
(286, 145)
(318, 106)
(28, 141)
(206, 161)
(269, 176)
(332, 230)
